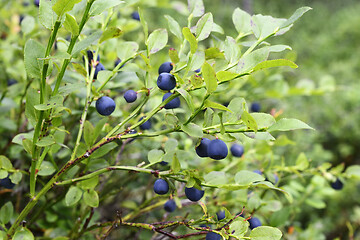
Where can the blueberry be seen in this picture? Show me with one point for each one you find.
(117, 62)
(205, 225)
(37, 3)
(161, 186)
(166, 67)
(90, 55)
(212, 236)
(146, 125)
(98, 68)
(135, 15)
(163, 163)
(217, 149)
(258, 172)
(105, 106)
(6, 183)
(276, 179)
(11, 82)
(202, 149)
(197, 70)
(255, 107)
(130, 96)
(237, 150)
(337, 185)
(194, 194)
(254, 222)
(21, 18)
(170, 205)
(175, 103)
(166, 81)
(132, 131)
(220, 215)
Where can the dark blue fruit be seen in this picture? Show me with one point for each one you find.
(197, 70)
(175, 103)
(98, 68)
(166, 67)
(276, 179)
(6, 183)
(258, 172)
(135, 15)
(205, 225)
(130, 96)
(146, 125)
(194, 194)
(237, 150)
(255, 107)
(11, 82)
(105, 106)
(202, 149)
(170, 205)
(161, 186)
(217, 149)
(37, 2)
(90, 55)
(163, 163)
(166, 81)
(132, 131)
(254, 222)
(220, 215)
(117, 62)
(337, 185)
(212, 236)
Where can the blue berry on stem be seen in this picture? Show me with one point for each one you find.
(258, 172)
(220, 215)
(98, 68)
(105, 106)
(6, 183)
(254, 222)
(194, 194)
(163, 163)
(212, 236)
(130, 96)
(337, 185)
(166, 81)
(170, 205)
(135, 15)
(202, 149)
(161, 186)
(237, 150)
(11, 82)
(146, 125)
(37, 3)
(255, 107)
(166, 67)
(217, 149)
(175, 103)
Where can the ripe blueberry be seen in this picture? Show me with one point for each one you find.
(165, 67)
(254, 222)
(90, 55)
(217, 149)
(220, 215)
(98, 68)
(6, 183)
(202, 149)
(194, 194)
(117, 62)
(212, 236)
(166, 81)
(135, 15)
(105, 106)
(175, 103)
(11, 82)
(161, 186)
(146, 125)
(197, 70)
(258, 172)
(337, 185)
(130, 96)
(255, 107)
(237, 150)
(170, 205)
(163, 163)
(37, 3)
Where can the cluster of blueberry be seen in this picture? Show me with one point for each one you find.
(217, 149)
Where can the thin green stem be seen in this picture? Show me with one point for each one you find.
(197, 110)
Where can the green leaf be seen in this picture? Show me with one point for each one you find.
(192, 130)
(46, 169)
(16, 177)
(104, 150)
(187, 98)
(215, 178)
(175, 164)
(63, 6)
(265, 233)
(279, 48)
(249, 120)
(157, 40)
(263, 120)
(23, 234)
(196, 7)
(3, 174)
(32, 51)
(27, 25)
(54, 101)
(204, 27)
(224, 76)
(263, 26)
(242, 21)
(274, 63)
(46, 141)
(89, 183)
(249, 61)
(88, 133)
(215, 105)
(100, 6)
(173, 54)
(32, 99)
(196, 81)
(143, 23)
(111, 32)
(213, 52)
(231, 50)
(127, 50)
(302, 162)
(47, 16)
(86, 42)
(287, 124)
(170, 145)
(297, 14)
(208, 117)
(91, 198)
(73, 196)
(315, 202)
(155, 155)
(6, 212)
(191, 39)
(71, 25)
(174, 27)
(353, 172)
(245, 177)
(239, 227)
(5, 163)
(209, 77)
